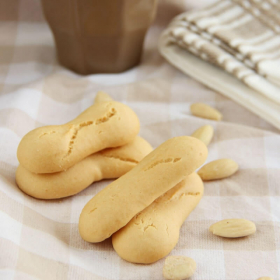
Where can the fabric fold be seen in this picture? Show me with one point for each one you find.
(231, 35)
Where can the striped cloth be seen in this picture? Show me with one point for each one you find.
(40, 239)
(241, 37)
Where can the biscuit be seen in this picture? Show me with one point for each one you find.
(154, 232)
(56, 148)
(106, 164)
(114, 206)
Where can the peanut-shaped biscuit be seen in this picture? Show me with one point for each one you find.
(56, 148)
(114, 206)
(154, 232)
(106, 164)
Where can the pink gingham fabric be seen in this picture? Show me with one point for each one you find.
(40, 239)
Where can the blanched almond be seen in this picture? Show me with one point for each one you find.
(265, 278)
(233, 228)
(205, 111)
(218, 169)
(178, 267)
(204, 133)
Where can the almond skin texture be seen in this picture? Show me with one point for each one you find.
(218, 169)
(233, 228)
(204, 133)
(178, 268)
(205, 111)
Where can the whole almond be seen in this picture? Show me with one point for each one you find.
(205, 111)
(178, 267)
(204, 133)
(218, 169)
(265, 278)
(233, 228)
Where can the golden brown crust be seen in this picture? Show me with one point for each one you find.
(154, 232)
(109, 163)
(120, 201)
(56, 148)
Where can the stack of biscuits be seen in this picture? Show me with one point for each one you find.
(145, 207)
(62, 160)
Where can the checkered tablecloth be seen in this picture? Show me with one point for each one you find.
(40, 239)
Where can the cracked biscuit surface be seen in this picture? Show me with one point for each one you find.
(106, 124)
(154, 232)
(165, 167)
(107, 164)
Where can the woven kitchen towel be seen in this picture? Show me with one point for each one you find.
(248, 29)
(240, 37)
(39, 240)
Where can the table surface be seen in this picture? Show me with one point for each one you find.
(40, 239)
